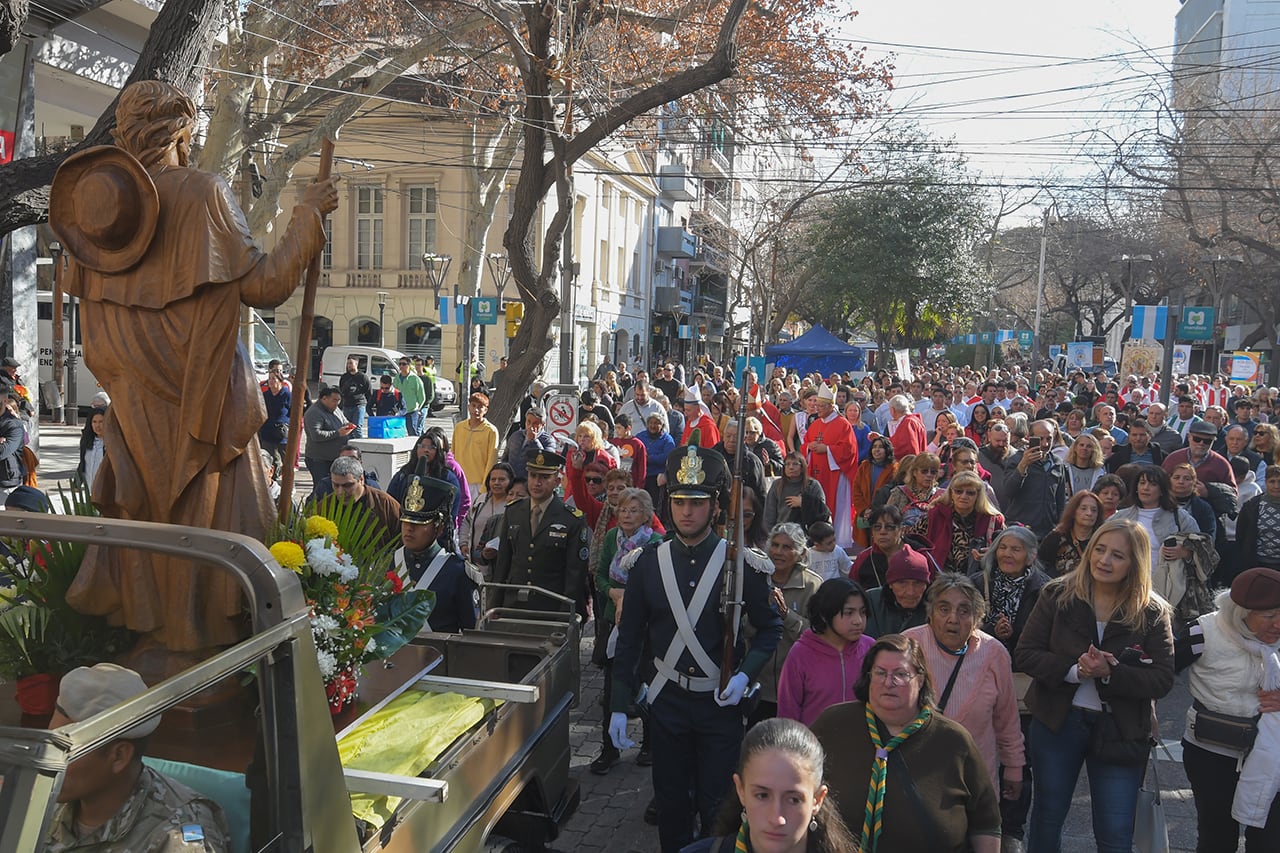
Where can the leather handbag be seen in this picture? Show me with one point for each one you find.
(1218, 729)
(1150, 831)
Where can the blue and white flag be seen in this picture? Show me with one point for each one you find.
(444, 310)
(1149, 322)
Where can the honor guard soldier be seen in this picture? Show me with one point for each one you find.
(423, 563)
(544, 543)
(673, 606)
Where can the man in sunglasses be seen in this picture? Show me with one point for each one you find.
(1211, 467)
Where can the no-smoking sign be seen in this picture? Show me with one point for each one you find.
(562, 415)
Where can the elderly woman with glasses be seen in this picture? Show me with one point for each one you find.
(793, 586)
(960, 524)
(899, 757)
(919, 487)
(976, 672)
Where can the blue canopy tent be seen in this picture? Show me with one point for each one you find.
(817, 349)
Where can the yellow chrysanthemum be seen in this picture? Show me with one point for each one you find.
(290, 555)
(318, 525)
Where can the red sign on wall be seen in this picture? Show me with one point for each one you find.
(6, 146)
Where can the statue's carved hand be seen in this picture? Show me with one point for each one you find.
(322, 195)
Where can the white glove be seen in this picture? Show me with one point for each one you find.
(733, 691)
(618, 731)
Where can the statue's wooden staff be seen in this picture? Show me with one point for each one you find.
(302, 357)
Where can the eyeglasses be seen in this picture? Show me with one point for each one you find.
(895, 678)
(595, 481)
(1201, 439)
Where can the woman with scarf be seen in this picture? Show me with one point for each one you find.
(1099, 648)
(780, 801)
(919, 488)
(960, 522)
(1011, 580)
(1063, 547)
(795, 496)
(1234, 656)
(618, 550)
(937, 785)
(873, 474)
(979, 419)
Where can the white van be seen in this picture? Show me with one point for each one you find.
(374, 362)
(266, 348)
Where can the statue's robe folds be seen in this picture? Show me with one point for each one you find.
(180, 439)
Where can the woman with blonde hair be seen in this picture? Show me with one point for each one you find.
(919, 487)
(1112, 634)
(1084, 463)
(960, 524)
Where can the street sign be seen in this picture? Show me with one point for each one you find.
(1197, 323)
(484, 311)
(1025, 339)
(562, 416)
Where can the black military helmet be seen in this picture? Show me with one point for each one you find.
(427, 500)
(697, 472)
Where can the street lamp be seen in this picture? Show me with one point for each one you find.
(437, 269)
(382, 318)
(500, 268)
(1049, 211)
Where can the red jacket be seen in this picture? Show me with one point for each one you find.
(909, 438)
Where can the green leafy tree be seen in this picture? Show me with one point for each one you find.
(895, 255)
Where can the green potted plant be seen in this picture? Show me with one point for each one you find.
(41, 636)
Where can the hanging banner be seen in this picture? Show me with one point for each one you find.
(1149, 322)
(1197, 324)
(902, 357)
(1080, 356)
(1246, 367)
(1181, 359)
(1141, 358)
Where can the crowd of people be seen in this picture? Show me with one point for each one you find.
(961, 588)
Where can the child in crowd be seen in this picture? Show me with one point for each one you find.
(825, 559)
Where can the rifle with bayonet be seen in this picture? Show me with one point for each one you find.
(735, 533)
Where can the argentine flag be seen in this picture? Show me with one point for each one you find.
(1149, 322)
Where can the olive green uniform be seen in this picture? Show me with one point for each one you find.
(160, 816)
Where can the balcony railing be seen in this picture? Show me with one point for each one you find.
(364, 278)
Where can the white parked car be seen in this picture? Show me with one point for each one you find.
(374, 362)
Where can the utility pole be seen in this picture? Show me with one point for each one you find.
(568, 370)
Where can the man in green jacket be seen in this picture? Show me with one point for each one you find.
(409, 384)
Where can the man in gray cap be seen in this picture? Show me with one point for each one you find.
(109, 801)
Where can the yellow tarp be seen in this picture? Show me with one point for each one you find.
(404, 738)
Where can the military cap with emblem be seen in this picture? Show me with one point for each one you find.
(696, 472)
(543, 460)
(89, 690)
(427, 500)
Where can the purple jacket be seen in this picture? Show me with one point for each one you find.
(453, 466)
(816, 676)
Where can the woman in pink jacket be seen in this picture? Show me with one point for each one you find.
(823, 665)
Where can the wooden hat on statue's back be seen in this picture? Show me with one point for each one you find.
(104, 207)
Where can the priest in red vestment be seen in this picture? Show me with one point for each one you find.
(906, 429)
(698, 416)
(832, 454)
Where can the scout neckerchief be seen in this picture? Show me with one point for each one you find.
(873, 817)
(740, 843)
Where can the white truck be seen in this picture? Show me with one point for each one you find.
(374, 362)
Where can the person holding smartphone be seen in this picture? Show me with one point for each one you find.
(1035, 483)
(327, 432)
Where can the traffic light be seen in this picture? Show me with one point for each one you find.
(514, 313)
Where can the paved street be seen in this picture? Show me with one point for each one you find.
(611, 812)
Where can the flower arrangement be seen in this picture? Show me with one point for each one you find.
(41, 636)
(360, 610)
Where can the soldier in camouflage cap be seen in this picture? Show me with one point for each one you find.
(109, 801)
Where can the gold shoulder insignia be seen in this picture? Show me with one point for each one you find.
(576, 512)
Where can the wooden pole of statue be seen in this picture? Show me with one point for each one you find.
(302, 357)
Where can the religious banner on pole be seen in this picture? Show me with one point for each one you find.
(902, 359)
(1141, 358)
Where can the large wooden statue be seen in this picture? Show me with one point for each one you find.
(162, 259)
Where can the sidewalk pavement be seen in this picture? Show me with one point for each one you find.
(610, 815)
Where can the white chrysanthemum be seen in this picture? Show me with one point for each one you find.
(328, 663)
(324, 624)
(347, 571)
(322, 558)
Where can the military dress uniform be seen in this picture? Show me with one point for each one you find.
(456, 584)
(554, 556)
(695, 741)
(160, 815)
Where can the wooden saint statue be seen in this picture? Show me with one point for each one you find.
(162, 259)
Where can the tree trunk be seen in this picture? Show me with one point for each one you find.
(176, 51)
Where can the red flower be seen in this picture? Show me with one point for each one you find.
(397, 585)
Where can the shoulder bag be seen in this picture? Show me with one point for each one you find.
(1150, 832)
